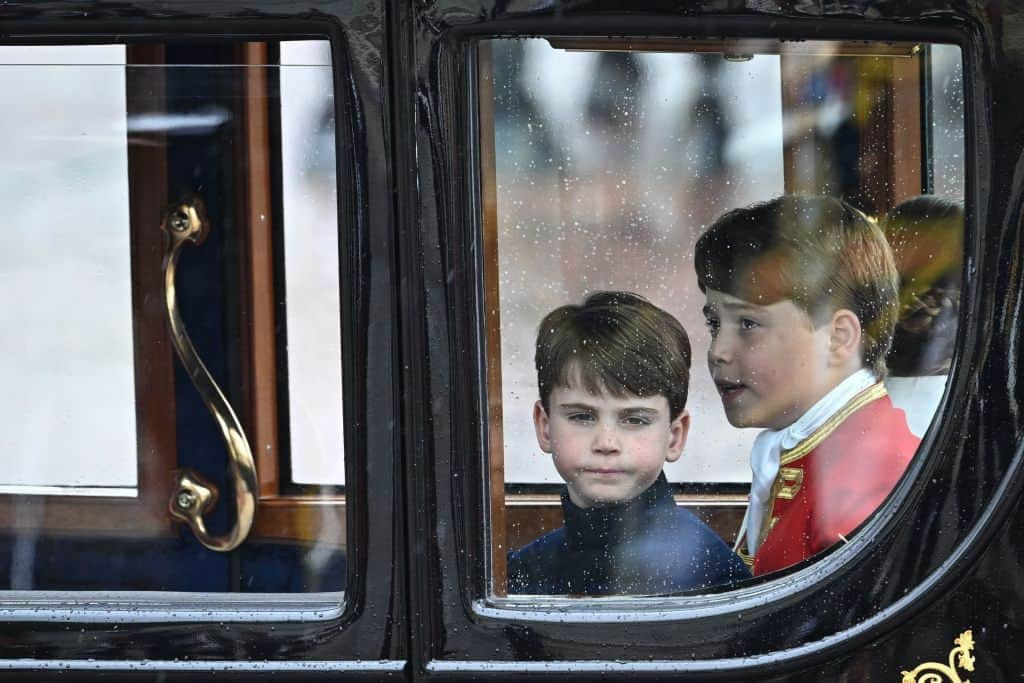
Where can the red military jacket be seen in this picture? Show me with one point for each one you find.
(829, 483)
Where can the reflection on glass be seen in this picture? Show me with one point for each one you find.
(96, 145)
(946, 110)
(927, 238)
(609, 165)
(66, 350)
(310, 202)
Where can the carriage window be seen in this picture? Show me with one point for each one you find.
(172, 307)
(65, 243)
(768, 202)
(311, 257)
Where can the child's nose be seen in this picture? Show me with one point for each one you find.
(720, 351)
(606, 440)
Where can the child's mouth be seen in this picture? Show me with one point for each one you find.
(729, 391)
(602, 471)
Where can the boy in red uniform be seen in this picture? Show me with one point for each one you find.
(801, 299)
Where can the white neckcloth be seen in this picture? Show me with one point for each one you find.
(769, 444)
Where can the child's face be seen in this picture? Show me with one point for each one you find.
(769, 363)
(608, 449)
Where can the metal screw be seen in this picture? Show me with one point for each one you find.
(186, 499)
(179, 221)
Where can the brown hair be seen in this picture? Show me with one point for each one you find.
(615, 342)
(819, 252)
(926, 234)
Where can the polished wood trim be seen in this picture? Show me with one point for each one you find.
(293, 518)
(279, 516)
(492, 317)
(874, 111)
(303, 518)
(136, 518)
(907, 135)
(259, 339)
(154, 358)
(891, 133)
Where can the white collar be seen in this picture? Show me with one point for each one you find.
(769, 444)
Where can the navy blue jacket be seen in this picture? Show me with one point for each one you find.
(645, 545)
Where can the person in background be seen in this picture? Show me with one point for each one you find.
(926, 234)
(613, 375)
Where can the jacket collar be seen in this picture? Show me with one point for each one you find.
(609, 524)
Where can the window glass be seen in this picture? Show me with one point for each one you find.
(161, 388)
(311, 262)
(947, 112)
(67, 347)
(610, 161)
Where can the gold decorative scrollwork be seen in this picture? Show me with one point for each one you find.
(960, 657)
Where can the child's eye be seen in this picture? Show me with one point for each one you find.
(712, 324)
(748, 324)
(636, 420)
(580, 417)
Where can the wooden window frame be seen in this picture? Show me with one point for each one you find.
(280, 515)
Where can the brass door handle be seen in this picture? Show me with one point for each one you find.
(186, 223)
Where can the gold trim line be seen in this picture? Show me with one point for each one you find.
(872, 393)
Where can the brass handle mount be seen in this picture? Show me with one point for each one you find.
(186, 223)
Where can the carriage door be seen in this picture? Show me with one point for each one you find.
(184, 265)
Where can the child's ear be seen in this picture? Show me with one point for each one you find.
(679, 428)
(844, 337)
(542, 426)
